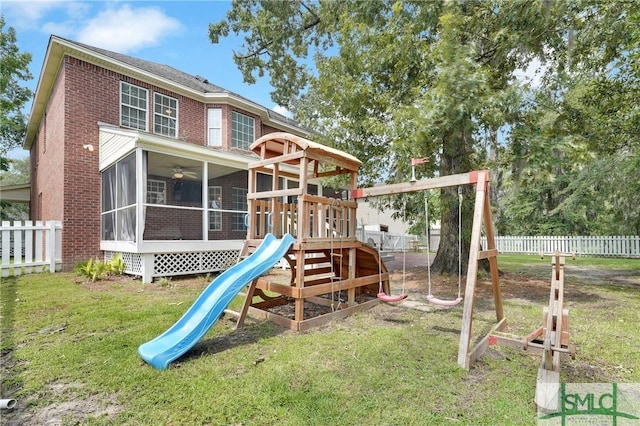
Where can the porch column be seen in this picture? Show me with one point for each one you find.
(147, 267)
(205, 201)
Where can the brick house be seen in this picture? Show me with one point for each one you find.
(141, 159)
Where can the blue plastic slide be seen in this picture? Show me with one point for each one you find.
(210, 305)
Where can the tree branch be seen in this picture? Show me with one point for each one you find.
(263, 47)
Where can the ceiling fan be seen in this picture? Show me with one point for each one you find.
(179, 173)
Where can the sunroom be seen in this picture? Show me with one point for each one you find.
(173, 208)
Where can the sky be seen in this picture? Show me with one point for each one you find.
(174, 33)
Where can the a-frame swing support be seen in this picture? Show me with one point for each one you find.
(467, 355)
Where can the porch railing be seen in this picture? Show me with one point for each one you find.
(29, 247)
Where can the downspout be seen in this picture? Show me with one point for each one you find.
(7, 403)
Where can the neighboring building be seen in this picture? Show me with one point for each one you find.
(141, 159)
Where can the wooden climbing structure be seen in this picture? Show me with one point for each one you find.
(329, 266)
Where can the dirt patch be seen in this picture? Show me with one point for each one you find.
(68, 408)
(523, 286)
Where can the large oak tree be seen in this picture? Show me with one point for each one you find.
(387, 81)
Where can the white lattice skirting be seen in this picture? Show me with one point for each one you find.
(155, 265)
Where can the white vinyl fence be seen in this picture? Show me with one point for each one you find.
(30, 247)
(613, 246)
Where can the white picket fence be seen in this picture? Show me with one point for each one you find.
(612, 246)
(30, 247)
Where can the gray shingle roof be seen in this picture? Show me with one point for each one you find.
(196, 82)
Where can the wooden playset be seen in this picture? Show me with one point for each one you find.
(329, 266)
(327, 261)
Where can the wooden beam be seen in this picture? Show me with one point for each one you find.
(328, 201)
(420, 185)
(483, 344)
(487, 254)
(269, 171)
(328, 173)
(277, 160)
(274, 194)
(491, 248)
(472, 275)
(325, 158)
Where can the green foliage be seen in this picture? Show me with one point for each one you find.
(95, 269)
(164, 281)
(116, 265)
(395, 80)
(13, 97)
(13, 172)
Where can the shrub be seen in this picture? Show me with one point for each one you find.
(95, 269)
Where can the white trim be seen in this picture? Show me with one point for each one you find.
(171, 246)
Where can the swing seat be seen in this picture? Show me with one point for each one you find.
(391, 299)
(434, 300)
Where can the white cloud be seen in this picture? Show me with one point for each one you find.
(23, 16)
(282, 110)
(126, 29)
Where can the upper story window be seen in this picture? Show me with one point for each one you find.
(133, 106)
(165, 115)
(214, 126)
(156, 191)
(242, 130)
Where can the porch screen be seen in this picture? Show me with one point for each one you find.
(119, 200)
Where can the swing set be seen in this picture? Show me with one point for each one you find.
(467, 355)
(430, 297)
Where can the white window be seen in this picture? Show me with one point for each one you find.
(242, 130)
(238, 203)
(156, 191)
(165, 115)
(215, 202)
(214, 125)
(133, 106)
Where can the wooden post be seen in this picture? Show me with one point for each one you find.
(304, 213)
(275, 206)
(493, 260)
(299, 302)
(472, 273)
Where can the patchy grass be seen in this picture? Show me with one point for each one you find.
(69, 354)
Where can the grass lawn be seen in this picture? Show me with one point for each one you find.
(69, 355)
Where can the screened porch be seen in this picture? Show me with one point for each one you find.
(170, 207)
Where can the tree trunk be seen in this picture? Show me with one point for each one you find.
(455, 159)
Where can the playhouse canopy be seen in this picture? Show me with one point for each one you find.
(291, 148)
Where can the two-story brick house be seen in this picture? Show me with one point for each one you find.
(141, 159)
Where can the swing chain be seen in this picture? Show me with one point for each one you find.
(459, 239)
